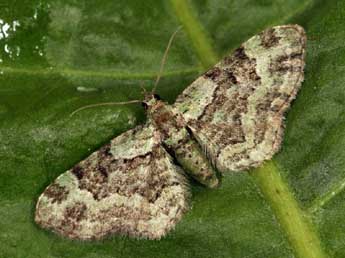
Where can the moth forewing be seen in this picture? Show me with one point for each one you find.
(128, 187)
(236, 109)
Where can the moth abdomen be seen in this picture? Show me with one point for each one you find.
(193, 160)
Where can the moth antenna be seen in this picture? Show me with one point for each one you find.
(104, 104)
(165, 58)
(142, 87)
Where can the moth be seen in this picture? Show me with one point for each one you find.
(228, 119)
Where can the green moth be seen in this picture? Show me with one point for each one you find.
(228, 119)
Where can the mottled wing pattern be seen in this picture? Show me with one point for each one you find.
(236, 110)
(129, 186)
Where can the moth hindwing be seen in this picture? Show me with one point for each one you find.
(230, 118)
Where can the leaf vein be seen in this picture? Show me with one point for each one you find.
(120, 75)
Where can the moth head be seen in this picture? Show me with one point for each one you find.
(151, 100)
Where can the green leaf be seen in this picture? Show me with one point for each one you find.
(56, 56)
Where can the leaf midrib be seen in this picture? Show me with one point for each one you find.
(294, 221)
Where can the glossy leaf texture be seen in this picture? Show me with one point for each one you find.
(56, 56)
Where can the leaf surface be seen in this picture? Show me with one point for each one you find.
(56, 56)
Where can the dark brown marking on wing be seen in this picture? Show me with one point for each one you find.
(253, 75)
(230, 76)
(103, 171)
(77, 170)
(95, 177)
(240, 69)
(105, 150)
(213, 74)
(56, 193)
(284, 64)
(77, 212)
(263, 108)
(269, 38)
(240, 53)
(132, 164)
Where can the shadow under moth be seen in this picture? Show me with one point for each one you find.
(228, 119)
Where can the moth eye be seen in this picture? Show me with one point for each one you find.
(145, 105)
(156, 96)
